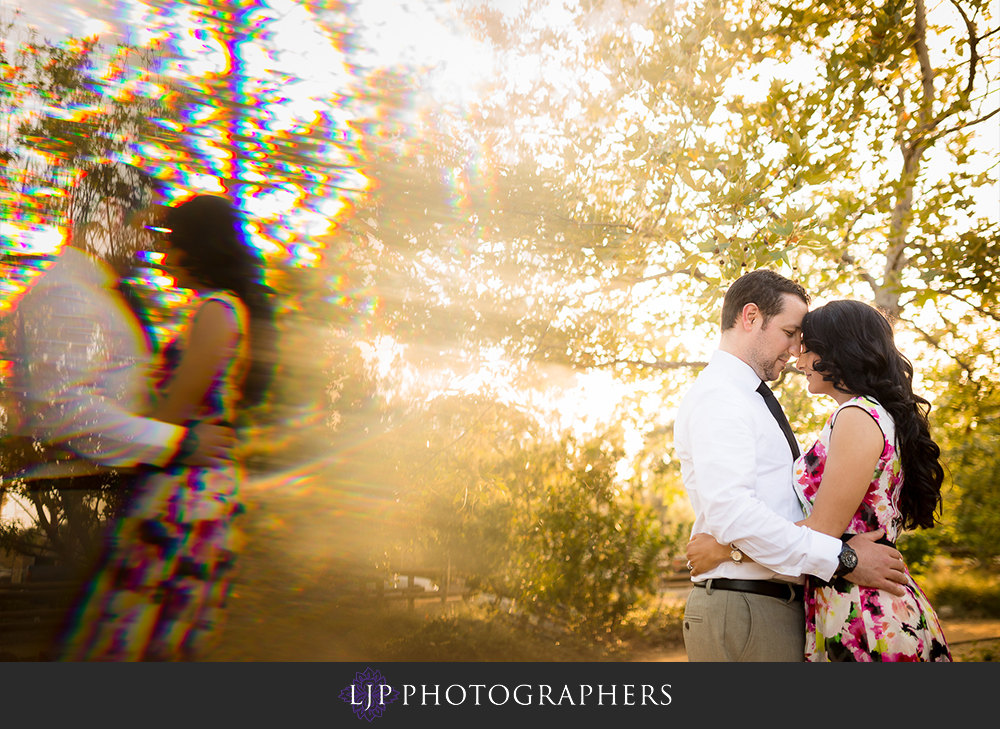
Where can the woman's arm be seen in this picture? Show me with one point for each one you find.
(705, 553)
(210, 346)
(856, 444)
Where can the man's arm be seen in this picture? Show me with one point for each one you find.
(206, 445)
(879, 566)
(724, 454)
(722, 444)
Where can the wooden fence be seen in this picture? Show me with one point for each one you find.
(447, 588)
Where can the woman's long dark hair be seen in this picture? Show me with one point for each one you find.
(856, 351)
(209, 232)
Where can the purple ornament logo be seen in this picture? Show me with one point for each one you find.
(369, 694)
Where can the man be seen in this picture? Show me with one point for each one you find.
(82, 373)
(737, 453)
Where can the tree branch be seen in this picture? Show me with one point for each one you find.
(468, 430)
(973, 41)
(578, 224)
(912, 149)
(49, 527)
(657, 365)
(981, 310)
(624, 281)
(27, 548)
(930, 140)
(865, 276)
(936, 343)
(926, 69)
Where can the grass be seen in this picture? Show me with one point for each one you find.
(481, 634)
(476, 634)
(979, 652)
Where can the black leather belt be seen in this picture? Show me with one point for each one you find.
(781, 590)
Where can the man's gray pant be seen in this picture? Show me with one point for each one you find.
(729, 626)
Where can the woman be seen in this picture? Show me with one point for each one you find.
(165, 579)
(874, 467)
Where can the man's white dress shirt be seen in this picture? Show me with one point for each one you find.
(737, 469)
(82, 369)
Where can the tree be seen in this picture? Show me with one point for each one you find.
(71, 109)
(75, 110)
(710, 180)
(283, 141)
(659, 150)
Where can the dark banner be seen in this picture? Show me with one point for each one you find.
(514, 695)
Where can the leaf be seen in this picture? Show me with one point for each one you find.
(782, 228)
(688, 178)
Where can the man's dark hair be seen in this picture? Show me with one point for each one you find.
(765, 289)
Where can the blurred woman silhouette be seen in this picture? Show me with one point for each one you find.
(166, 575)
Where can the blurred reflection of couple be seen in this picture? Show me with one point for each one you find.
(873, 472)
(102, 410)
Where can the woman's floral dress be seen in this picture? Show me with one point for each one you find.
(845, 622)
(164, 582)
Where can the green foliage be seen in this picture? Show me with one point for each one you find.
(71, 107)
(586, 550)
(543, 521)
(968, 427)
(990, 653)
(966, 594)
(667, 149)
(654, 624)
(919, 549)
(591, 214)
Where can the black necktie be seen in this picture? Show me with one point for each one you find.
(775, 407)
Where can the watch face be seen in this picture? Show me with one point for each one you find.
(849, 558)
(736, 555)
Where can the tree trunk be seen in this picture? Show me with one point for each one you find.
(912, 147)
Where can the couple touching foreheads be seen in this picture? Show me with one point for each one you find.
(793, 555)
